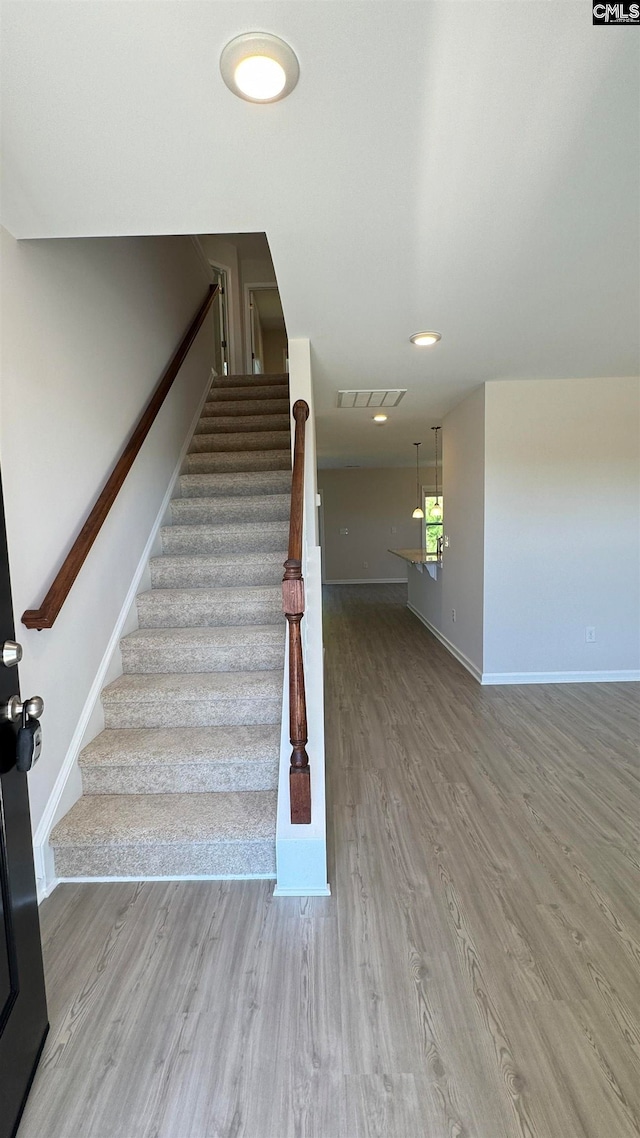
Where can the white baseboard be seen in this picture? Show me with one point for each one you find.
(167, 877)
(459, 656)
(494, 678)
(283, 891)
(370, 581)
(45, 882)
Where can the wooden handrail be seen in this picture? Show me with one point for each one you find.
(45, 616)
(293, 605)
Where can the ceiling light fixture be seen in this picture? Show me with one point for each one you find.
(425, 339)
(380, 418)
(259, 67)
(418, 512)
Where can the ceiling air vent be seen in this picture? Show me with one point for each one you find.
(387, 397)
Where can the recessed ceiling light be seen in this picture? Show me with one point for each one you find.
(380, 418)
(259, 67)
(424, 339)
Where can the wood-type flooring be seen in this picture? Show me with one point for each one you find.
(475, 973)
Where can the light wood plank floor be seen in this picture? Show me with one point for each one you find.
(475, 974)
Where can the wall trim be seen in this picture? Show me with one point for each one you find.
(169, 877)
(369, 581)
(45, 880)
(611, 677)
(459, 656)
(284, 891)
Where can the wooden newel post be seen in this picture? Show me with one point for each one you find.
(293, 606)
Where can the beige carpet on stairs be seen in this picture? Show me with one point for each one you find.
(183, 779)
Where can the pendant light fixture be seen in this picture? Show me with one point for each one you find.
(418, 512)
(436, 509)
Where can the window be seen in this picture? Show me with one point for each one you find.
(433, 526)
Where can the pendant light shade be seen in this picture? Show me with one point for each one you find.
(436, 509)
(418, 512)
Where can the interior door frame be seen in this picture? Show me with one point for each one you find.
(233, 336)
(250, 287)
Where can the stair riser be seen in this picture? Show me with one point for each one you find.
(154, 612)
(238, 484)
(190, 713)
(235, 424)
(249, 381)
(168, 859)
(205, 539)
(209, 511)
(247, 440)
(181, 778)
(237, 461)
(167, 576)
(143, 658)
(246, 407)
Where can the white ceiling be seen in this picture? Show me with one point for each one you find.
(465, 166)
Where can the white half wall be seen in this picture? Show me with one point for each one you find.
(562, 530)
(88, 327)
(459, 584)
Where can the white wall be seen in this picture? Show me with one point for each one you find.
(459, 584)
(562, 527)
(88, 327)
(370, 504)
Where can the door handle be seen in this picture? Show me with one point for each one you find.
(14, 709)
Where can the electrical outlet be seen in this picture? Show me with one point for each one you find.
(446, 540)
(394, 529)
(365, 564)
(590, 635)
(453, 615)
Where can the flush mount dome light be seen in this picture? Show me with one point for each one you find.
(259, 67)
(424, 339)
(380, 418)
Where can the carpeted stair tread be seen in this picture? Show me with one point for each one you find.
(170, 760)
(215, 834)
(247, 406)
(184, 745)
(243, 440)
(265, 391)
(238, 461)
(245, 483)
(243, 380)
(238, 537)
(256, 507)
(229, 424)
(238, 648)
(189, 608)
(202, 571)
(196, 699)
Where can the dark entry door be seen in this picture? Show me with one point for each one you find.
(23, 1009)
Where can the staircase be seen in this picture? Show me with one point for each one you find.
(183, 779)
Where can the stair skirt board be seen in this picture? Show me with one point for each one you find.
(181, 785)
